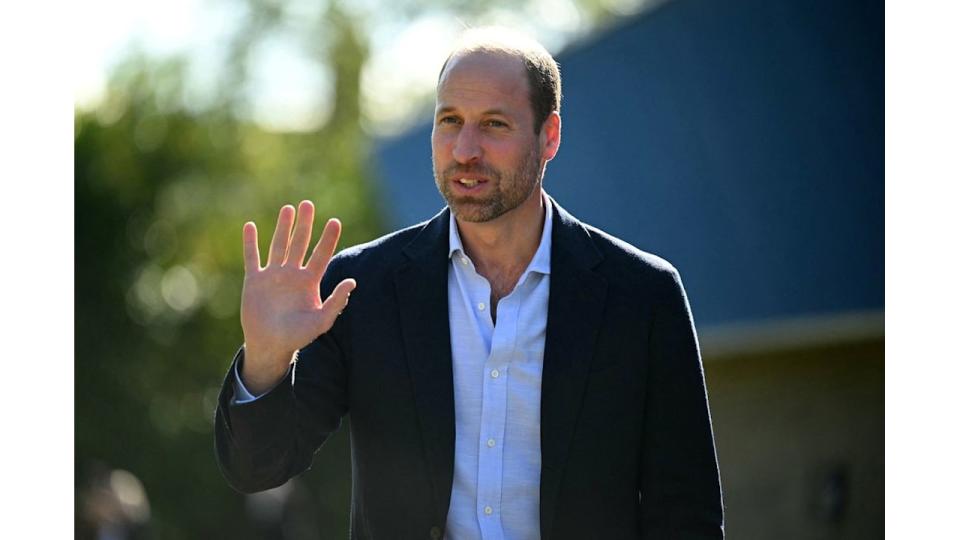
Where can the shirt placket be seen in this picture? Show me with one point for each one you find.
(493, 421)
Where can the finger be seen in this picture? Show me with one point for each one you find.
(325, 247)
(335, 303)
(281, 235)
(301, 234)
(251, 252)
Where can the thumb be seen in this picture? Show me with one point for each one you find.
(335, 303)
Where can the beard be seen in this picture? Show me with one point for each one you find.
(508, 190)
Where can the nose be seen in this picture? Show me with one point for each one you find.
(466, 148)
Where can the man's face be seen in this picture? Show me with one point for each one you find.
(486, 157)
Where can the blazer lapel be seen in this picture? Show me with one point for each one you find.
(421, 286)
(577, 296)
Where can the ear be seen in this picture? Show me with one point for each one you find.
(550, 136)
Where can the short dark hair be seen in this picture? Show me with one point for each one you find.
(543, 72)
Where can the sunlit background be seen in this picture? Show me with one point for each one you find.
(275, 59)
(751, 132)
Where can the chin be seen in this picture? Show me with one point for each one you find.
(474, 212)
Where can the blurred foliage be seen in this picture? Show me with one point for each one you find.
(162, 189)
(161, 194)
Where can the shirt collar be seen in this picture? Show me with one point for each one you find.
(541, 259)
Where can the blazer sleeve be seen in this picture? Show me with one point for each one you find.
(263, 443)
(680, 494)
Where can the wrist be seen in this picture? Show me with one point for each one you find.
(262, 369)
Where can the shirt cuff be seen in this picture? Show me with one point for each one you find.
(240, 393)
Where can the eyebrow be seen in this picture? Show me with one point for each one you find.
(488, 112)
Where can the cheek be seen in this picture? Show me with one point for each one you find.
(511, 148)
(507, 155)
(435, 153)
(439, 145)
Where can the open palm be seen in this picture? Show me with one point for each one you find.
(281, 310)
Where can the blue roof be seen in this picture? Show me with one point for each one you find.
(742, 141)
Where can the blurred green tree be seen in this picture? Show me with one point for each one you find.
(160, 196)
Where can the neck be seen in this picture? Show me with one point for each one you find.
(508, 242)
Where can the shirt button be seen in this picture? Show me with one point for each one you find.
(463, 260)
(487, 510)
(435, 533)
(495, 373)
(491, 443)
(481, 306)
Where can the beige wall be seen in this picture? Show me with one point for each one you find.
(789, 427)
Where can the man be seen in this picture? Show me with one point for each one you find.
(509, 371)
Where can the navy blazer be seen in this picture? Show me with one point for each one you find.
(626, 440)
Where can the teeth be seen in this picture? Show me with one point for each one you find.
(469, 182)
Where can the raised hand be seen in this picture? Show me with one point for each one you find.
(281, 310)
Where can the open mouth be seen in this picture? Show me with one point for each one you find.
(470, 184)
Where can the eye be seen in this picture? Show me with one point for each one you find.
(448, 120)
(496, 123)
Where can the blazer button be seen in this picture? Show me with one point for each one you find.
(435, 533)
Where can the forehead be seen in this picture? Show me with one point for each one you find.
(483, 79)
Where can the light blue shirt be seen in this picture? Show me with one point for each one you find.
(497, 372)
(496, 387)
